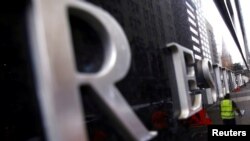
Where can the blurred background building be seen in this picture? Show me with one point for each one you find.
(212, 44)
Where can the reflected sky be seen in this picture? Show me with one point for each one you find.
(220, 30)
(245, 5)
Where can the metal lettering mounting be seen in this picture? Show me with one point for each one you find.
(184, 82)
(205, 72)
(58, 81)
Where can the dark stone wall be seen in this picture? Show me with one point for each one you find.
(20, 118)
(180, 15)
(181, 23)
(149, 25)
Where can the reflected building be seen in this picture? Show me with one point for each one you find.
(186, 22)
(206, 53)
(212, 44)
(190, 26)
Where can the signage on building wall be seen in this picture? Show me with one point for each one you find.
(58, 81)
(186, 102)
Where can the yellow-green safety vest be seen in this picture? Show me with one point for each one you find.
(227, 109)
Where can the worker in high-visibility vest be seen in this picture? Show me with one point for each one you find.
(227, 110)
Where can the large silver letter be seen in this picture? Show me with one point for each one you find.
(205, 72)
(222, 82)
(226, 80)
(184, 81)
(234, 81)
(58, 81)
(231, 81)
(217, 72)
